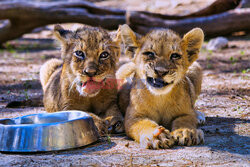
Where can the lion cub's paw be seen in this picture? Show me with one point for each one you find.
(102, 127)
(159, 138)
(188, 137)
(115, 124)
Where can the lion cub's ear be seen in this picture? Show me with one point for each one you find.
(64, 36)
(192, 42)
(115, 44)
(129, 40)
(116, 35)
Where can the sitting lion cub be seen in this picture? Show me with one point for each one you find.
(165, 85)
(80, 80)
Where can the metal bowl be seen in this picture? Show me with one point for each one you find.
(47, 132)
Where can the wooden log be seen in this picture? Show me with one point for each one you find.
(219, 24)
(219, 6)
(23, 17)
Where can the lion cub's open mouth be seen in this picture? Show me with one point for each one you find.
(157, 82)
(91, 86)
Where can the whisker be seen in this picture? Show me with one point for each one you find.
(72, 84)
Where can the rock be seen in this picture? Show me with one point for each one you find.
(217, 43)
(127, 144)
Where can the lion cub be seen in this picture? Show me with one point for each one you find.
(80, 81)
(165, 85)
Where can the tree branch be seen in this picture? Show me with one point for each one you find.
(219, 24)
(25, 16)
(219, 6)
(216, 19)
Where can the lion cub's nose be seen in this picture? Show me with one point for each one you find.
(161, 71)
(90, 72)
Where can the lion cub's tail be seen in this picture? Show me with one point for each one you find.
(125, 71)
(47, 70)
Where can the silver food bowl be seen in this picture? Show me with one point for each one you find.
(47, 132)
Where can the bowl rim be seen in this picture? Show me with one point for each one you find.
(86, 116)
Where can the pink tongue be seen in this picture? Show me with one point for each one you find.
(92, 87)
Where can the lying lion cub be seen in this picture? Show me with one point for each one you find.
(80, 80)
(165, 85)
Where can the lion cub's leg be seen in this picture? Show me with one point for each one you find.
(114, 119)
(146, 131)
(184, 131)
(101, 124)
(184, 128)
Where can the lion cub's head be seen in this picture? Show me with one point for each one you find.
(90, 56)
(162, 57)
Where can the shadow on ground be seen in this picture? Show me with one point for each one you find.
(223, 134)
(28, 84)
(100, 145)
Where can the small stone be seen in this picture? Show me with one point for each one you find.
(232, 97)
(217, 43)
(127, 144)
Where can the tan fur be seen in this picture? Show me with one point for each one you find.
(154, 111)
(48, 69)
(126, 70)
(63, 80)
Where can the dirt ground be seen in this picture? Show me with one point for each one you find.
(225, 99)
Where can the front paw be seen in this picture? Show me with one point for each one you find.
(115, 124)
(159, 138)
(188, 137)
(102, 127)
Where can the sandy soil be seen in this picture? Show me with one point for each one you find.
(225, 99)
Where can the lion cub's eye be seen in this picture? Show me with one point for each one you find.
(175, 56)
(150, 55)
(104, 55)
(79, 54)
